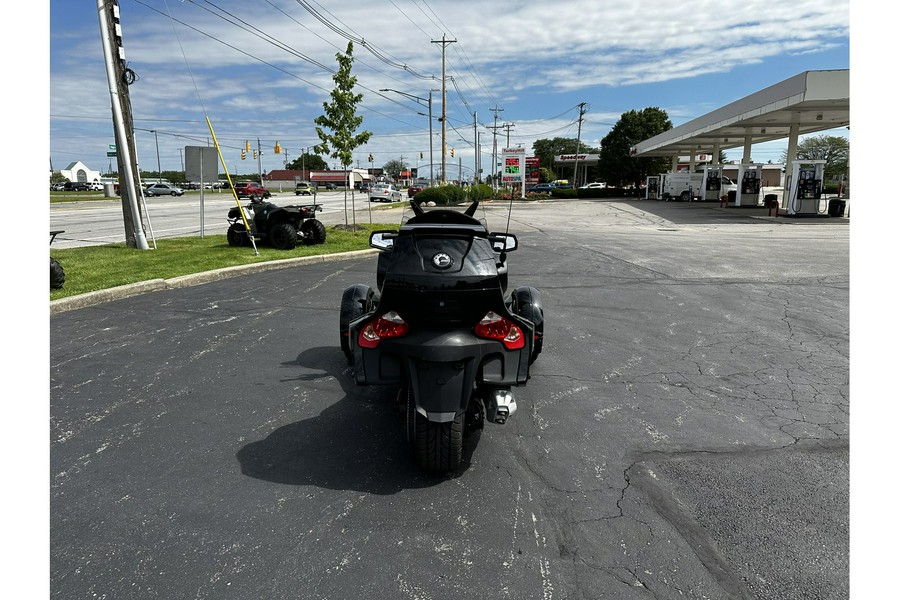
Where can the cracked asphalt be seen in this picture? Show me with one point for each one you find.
(685, 433)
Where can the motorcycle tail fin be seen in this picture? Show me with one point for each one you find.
(470, 211)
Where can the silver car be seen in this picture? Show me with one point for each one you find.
(382, 192)
(163, 189)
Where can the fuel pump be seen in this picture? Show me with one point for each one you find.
(806, 188)
(651, 190)
(749, 185)
(711, 184)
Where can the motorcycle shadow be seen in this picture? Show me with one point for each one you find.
(358, 443)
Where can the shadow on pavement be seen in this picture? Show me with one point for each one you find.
(358, 443)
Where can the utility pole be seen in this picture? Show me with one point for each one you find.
(496, 110)
(158, 167)
(477, 147)
(507, 127)
(581, 112)
(119, 77)
(443, 42)
(259, 160)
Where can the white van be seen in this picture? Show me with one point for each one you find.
(685, 186)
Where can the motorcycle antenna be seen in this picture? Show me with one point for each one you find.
(509, 213)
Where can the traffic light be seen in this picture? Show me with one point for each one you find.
(371, 158)
(243, 155)
(452, 152)
(247, 146)
(277, 148)
(421, 156)
(254, 154)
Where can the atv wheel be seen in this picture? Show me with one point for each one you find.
(57, 274)
(436, 446)
(356, 301)
(237, 235)
(313, 232)
(283, 236)
(526, 302)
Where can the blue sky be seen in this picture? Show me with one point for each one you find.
(261, 70)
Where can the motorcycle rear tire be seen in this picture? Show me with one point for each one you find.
(436, 446)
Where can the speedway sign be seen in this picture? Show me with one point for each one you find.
(513, 165)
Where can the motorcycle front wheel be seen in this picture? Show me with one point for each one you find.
(436, 446)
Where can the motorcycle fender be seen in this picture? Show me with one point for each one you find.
(442, 389)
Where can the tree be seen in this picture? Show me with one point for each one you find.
(341, 120)
(310, 162)
(617, 166)
(393, 168)
(834, 150)
(546, 150)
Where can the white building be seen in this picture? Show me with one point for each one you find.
(78, 171)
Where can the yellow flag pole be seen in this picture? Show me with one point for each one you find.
(231, 185)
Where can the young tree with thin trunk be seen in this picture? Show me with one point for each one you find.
(341, 121)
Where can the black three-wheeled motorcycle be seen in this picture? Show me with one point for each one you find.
(440, 325)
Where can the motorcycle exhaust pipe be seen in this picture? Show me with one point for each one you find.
(501, 406)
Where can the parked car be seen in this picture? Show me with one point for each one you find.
(304, 188)
(250, 189)
(57, 187)
(414, 189)
(76, 186)
(599, 185)
(95, 186)
(163, 189)
(328, 185)
(385, 193)
(365, 187)
(542, 187)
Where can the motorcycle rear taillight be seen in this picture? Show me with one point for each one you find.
(497, 327)
(388, 325)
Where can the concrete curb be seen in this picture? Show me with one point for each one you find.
(155, 285)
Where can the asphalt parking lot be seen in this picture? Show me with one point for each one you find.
(685, 433)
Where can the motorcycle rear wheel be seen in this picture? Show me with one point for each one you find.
(436, 446)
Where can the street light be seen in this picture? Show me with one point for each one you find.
(430, 143)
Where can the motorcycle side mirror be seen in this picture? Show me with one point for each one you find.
(383, 240)
(503, 242)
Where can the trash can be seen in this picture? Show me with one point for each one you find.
(836, 207)
(770, 200)
(732, 196)
(109, 190)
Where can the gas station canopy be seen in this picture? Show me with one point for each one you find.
(809, 102)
